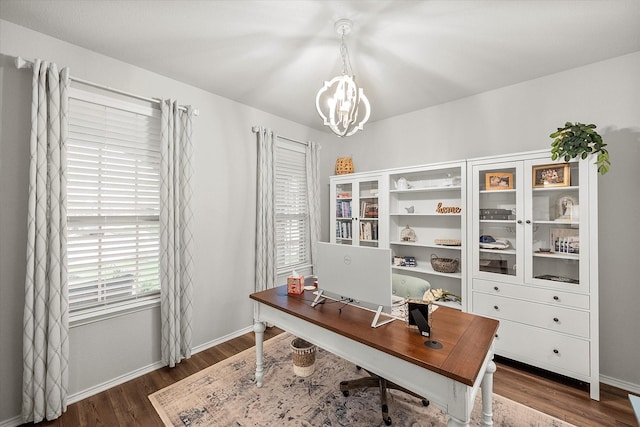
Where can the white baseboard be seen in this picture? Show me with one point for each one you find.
(220, 340)
(76, 397)
(624, 385)
(11, 422)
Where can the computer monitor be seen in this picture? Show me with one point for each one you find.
(358, 273)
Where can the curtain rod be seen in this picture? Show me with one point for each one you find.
(256, 129)
(24, 63)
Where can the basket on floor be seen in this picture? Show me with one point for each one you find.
(304, 357)
(444, 265)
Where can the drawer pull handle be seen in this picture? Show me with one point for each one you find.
(495, 307)
(556, 351)
(556, 297)
(495, 288)
(555, 319)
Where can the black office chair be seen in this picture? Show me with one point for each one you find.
(374, 380)
(406, 287)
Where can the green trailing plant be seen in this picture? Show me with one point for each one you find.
(580, 140)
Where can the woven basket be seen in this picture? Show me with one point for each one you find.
(344, 165)
(304, 357)
(444, 265)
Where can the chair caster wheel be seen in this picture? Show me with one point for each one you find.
(345, 393)
(387, 421)
(425, 402)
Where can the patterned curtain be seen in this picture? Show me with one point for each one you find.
(265, 212)
(46, 308)
(176, 239)
(313, 191)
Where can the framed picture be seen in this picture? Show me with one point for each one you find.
(555, 175)
(499, 181)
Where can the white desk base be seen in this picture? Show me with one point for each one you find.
(453, 397)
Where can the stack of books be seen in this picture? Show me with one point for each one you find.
(497, 214)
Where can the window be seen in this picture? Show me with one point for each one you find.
(292, 207)
(113, 195)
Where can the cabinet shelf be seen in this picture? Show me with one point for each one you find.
(427, 269)
(557, 255)
(425, 245)
(426, 190)
(424, 214)
(499, 251)
(512, 191)
(556, 189)
(573, 224)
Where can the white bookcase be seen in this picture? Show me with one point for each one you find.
(534, 260)
(430, 201)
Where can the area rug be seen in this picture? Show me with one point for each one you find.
(225, 394)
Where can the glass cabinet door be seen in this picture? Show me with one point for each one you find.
(355, 216)
(552, 225)
(344, 216)
(497, 233)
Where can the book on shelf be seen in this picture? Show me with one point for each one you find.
(343, 230)
(369, 210)
(501, 217)
(496, 212)
(343, 209)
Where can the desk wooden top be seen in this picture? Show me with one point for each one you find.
(466, 338)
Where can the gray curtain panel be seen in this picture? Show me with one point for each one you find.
(176, 238)
(46, 309)
(265, 212)
(313, 191)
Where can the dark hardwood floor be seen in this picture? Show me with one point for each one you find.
(127, 404)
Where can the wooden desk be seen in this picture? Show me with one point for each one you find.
(449, 377)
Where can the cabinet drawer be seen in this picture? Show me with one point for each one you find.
(542, 348)
(547, 296)
(559, 319)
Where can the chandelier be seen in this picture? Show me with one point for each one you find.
(340, 102)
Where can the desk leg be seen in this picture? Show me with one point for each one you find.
(258, 329)
(487, 395)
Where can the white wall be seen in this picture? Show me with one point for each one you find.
(223, 206)
(520, 118)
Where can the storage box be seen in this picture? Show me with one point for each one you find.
(295, 285)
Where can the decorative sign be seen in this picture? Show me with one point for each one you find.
(448, 209)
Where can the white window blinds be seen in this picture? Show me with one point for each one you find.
(113, 194)
(291, 204)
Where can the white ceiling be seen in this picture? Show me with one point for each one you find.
(407, 55)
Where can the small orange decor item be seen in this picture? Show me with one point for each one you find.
(295, 285)
(344, 165)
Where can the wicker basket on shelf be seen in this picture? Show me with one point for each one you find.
(344, 165)
(444, 265)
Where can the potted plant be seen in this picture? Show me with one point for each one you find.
(578, 139)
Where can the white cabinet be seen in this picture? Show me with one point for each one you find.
(358, 212)
(534, 259)
(427, 219)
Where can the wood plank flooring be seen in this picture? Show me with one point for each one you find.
(128, 405)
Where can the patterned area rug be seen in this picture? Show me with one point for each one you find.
(225, 395)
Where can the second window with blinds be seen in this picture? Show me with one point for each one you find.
(113, 194)
(291, 208)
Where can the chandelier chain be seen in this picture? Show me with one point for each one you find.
(344, 53)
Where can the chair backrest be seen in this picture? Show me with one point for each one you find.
(408, 286)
